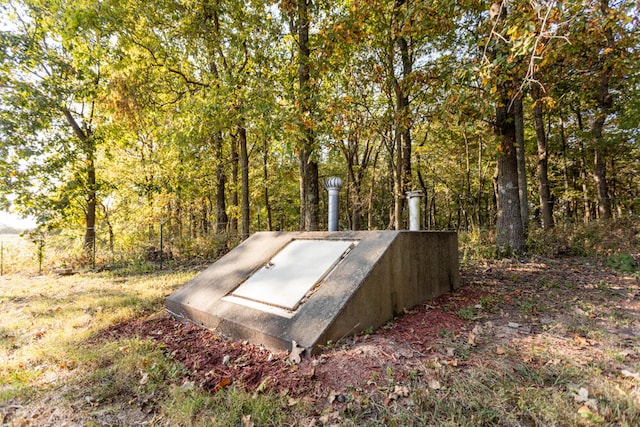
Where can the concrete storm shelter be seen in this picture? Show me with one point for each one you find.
(315, 287)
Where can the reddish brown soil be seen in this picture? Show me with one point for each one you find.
(507, 299)
(214, 362)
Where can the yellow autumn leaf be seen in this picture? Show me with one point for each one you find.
(512, 30)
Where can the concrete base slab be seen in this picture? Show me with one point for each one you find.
(382, 273)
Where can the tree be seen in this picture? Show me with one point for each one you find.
(544, 191)
(197, 115)
(509, 228)
(589, 75)
(300, 14)
(50, 72)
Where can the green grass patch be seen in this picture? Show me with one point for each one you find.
(623, 262)
(46, 320)
(189, 406)
(468, 313)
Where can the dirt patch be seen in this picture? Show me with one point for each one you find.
(544, 318)
(500, 303)
(215, 362)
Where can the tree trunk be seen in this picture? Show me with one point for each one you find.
(586, 204)
(109, 228)
(604, 104)
(432, 211)
(204, 218)
(312, 196)
(244, 166)
(570, 208)
(402, 115)
(466, 198)
(599, 147)
(89, 147)
(357, 165)
(90, 231)
(585, 189)
(425, 200)
(371, 223)
(602, 186)
(509, 230)
(354, 186)
(222, 219)
(510, 237)
(397, 185)
(522, 165)
(309, 189)
(265, 176)
(233, 221)
(546, 207)
(479, 193)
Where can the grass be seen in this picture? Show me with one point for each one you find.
(47, 320)
(574, 370)
(17, 254)
(192, 407)
(49, 361)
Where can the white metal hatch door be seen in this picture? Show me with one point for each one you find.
(293, 272)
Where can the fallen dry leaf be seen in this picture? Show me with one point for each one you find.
(226, 360)
(592, 415)
(627, 373)
(294, 356)
(222, 384)
(293, 401)
(332, 417)
(434, 384)
(471, 339)
(581, 341)
(264, 384)
(400, 391)
(187, 385)
(584, 410)
(144, 379)
(247, 422)
(582, 396)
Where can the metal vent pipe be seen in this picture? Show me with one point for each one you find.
(333, 185)
(414, 210)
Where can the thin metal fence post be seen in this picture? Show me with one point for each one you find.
(161, 244)
(95, 237)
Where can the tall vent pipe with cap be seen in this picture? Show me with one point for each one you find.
(333, 185)
(414, 210)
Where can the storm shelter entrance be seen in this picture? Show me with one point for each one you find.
(313, 287)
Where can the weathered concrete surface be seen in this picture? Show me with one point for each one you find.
(386, 272)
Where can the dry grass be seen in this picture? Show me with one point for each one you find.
(47, 321)
(545, 341)
(18, 254)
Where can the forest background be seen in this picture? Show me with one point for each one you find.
(186, 125)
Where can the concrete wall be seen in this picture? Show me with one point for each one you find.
(416, 267)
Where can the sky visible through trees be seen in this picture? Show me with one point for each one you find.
(213, 119)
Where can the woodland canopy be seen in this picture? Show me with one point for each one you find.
(213, 119)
